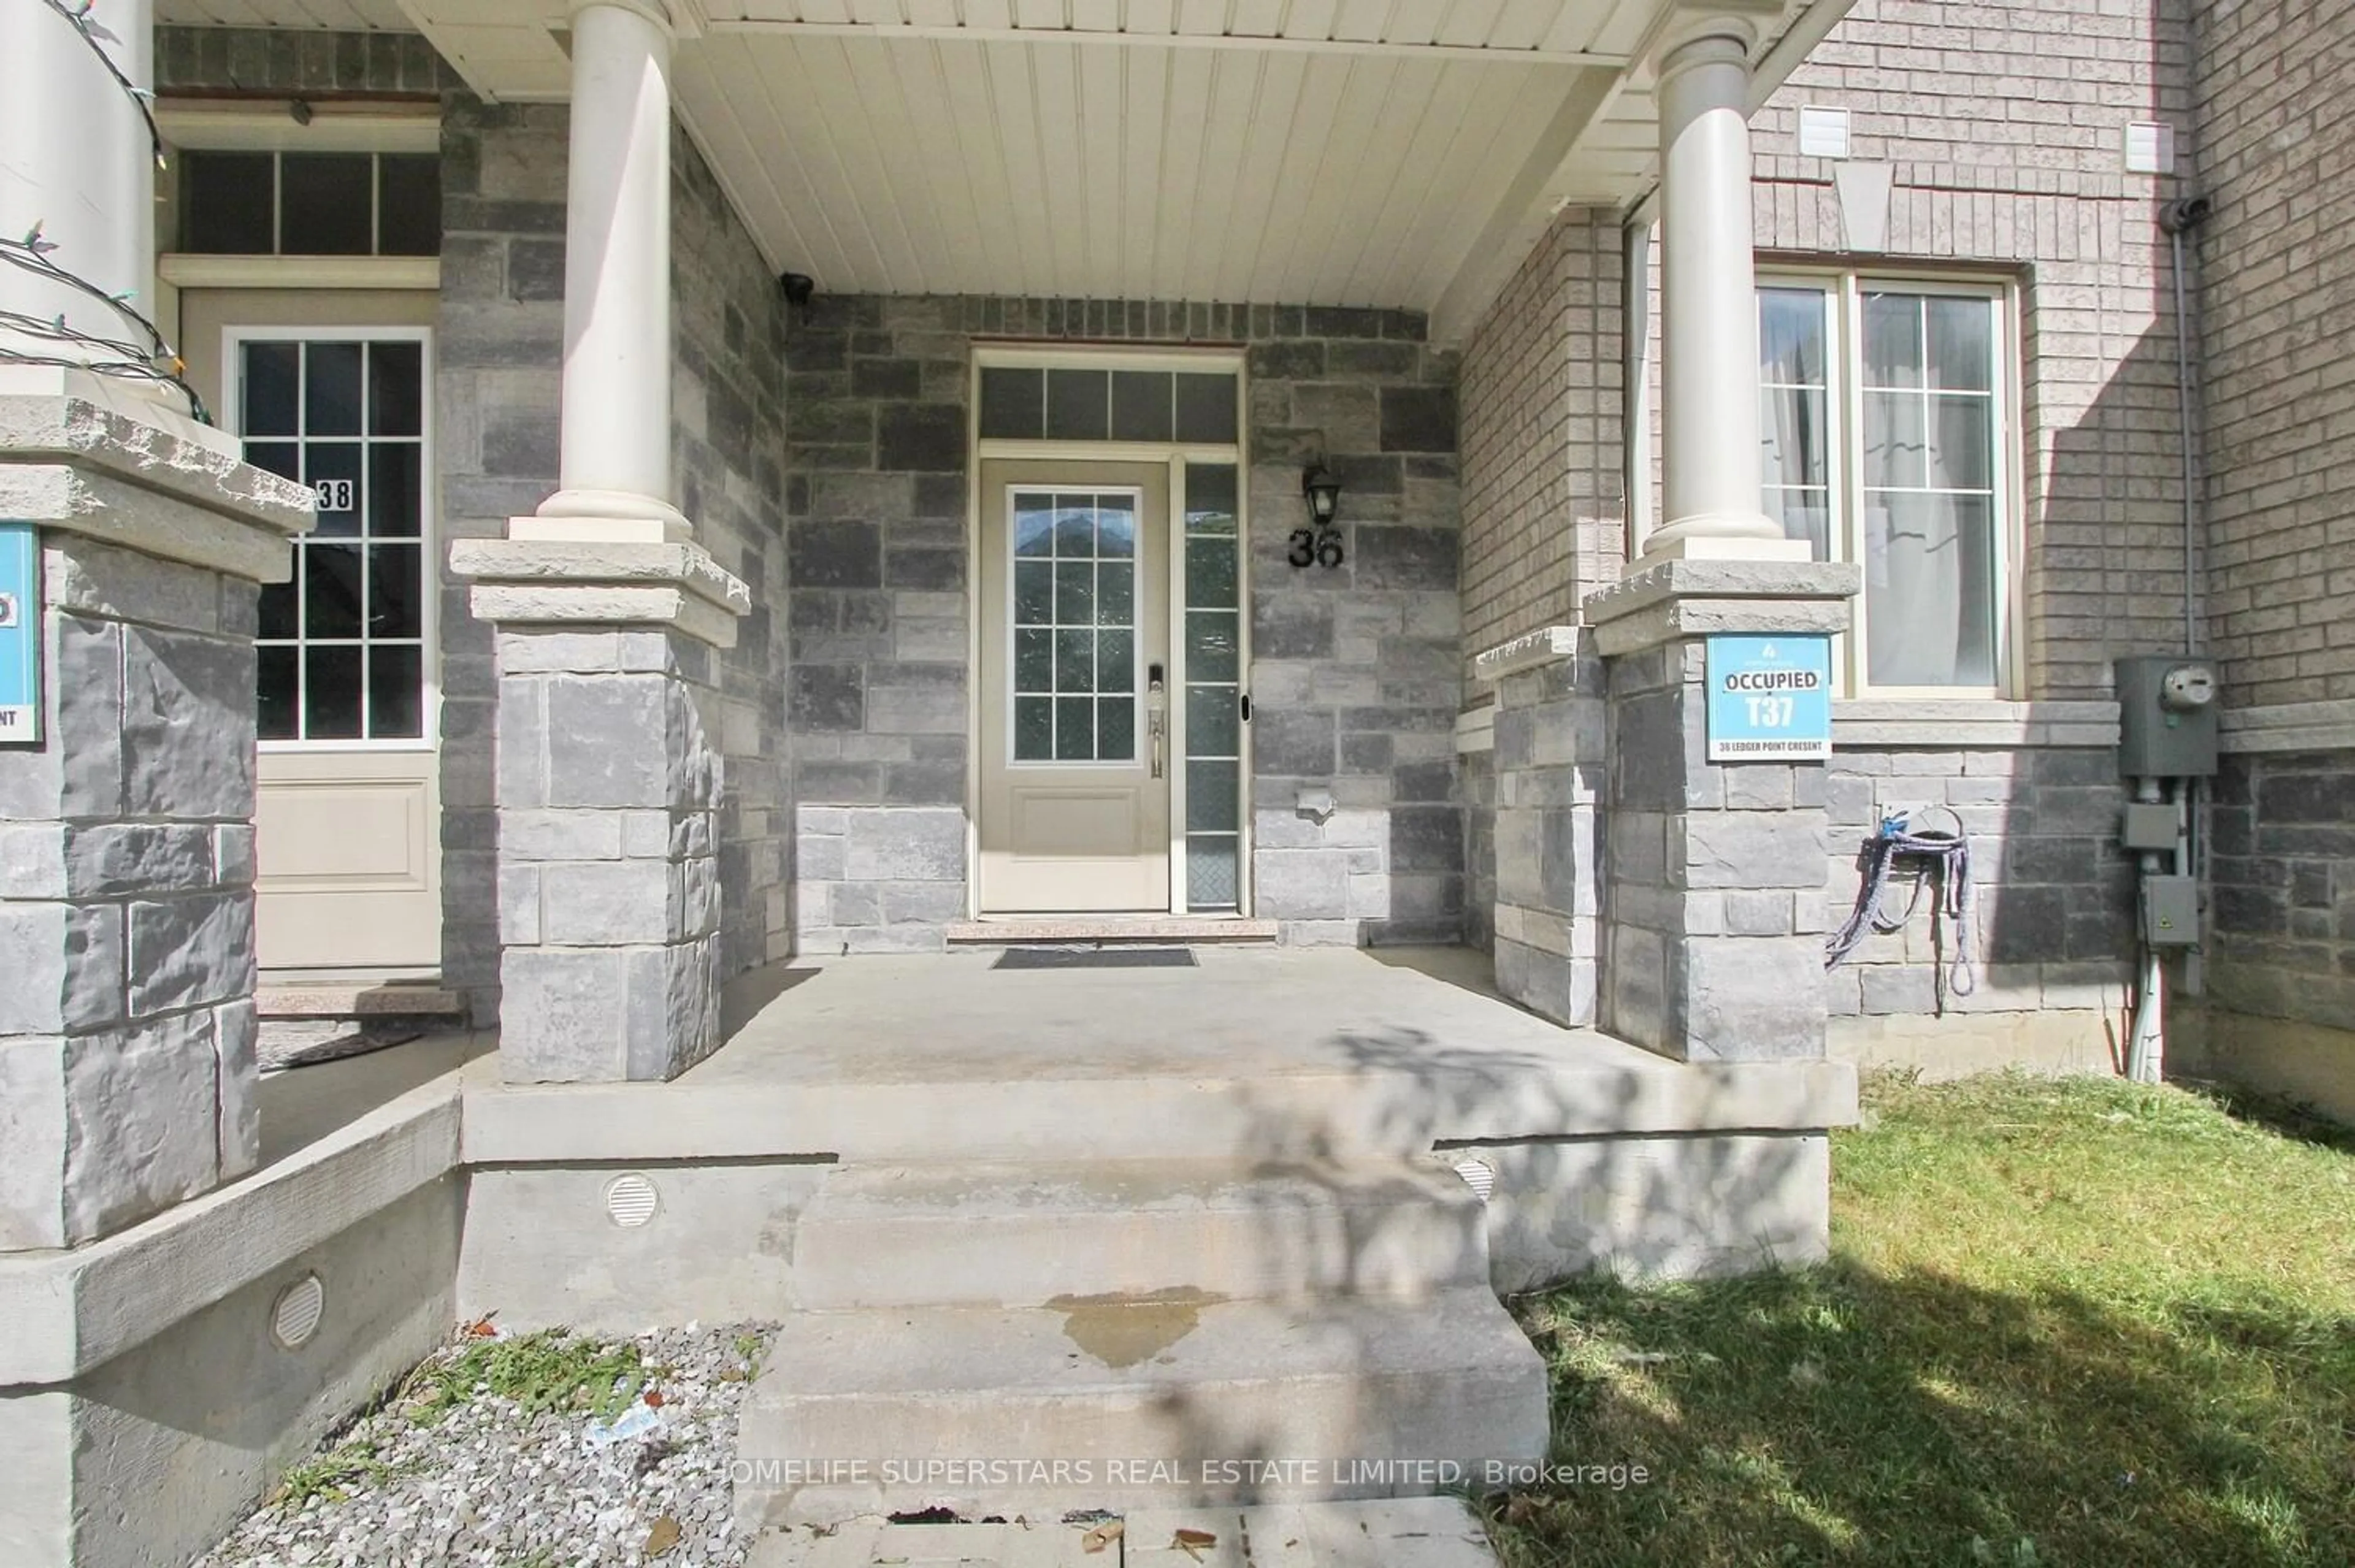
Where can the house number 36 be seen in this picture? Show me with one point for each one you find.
(1321, 547)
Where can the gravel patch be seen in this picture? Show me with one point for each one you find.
(451, 1471)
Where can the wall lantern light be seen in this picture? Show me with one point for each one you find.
(1322, 543)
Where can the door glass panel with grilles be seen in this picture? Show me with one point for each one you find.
(1074, 690)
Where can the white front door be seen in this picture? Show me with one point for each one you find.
(1075, 744)
(348, 823)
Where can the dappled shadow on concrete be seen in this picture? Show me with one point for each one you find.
(1842, 1415)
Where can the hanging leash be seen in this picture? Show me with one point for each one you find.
(1938, 860)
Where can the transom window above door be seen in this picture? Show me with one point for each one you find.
(1032, 402)
(342, 646)
(1887, 430)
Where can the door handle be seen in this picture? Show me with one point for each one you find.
(1156, 710)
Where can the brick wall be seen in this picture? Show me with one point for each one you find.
(1354, 681)
(1543, 494)
(2277, 314)
(2003, 124)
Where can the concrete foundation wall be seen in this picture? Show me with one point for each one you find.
(541, 1250)
(1354, 679)
(1654, 1208)
(148, 1459)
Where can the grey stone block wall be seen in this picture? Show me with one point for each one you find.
(2054, 924)
(1551, 768)
(608, 783)
(287, 60)
(728, 411)
(1713, 879)
(2282, 919)
(498, 381)
(127, 1025)
(1355, 684)
(1476, 779)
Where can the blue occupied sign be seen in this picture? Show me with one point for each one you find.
(1770, 699)
(20, 633)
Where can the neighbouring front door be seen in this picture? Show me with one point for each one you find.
(334, 389)
(1074, 711)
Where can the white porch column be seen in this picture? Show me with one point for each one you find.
(75, 158)
(615, 463)
(1712, 499)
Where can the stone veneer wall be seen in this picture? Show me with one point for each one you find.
(728, 406)
(1354, 676)
(2003, 125)
(498, 381)
(2282, 923)
(280, 61)
(127, 1024)
(2054, 937)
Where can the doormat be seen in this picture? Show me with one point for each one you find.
(1095, 958)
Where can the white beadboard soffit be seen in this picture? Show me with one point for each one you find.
(1390, 153)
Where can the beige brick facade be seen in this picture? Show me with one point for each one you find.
(1540, 437)
(2276, 122)
(2004, 125)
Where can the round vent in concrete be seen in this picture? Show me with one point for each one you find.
(295, 1316)
(630, 1200)
(1479, 1176)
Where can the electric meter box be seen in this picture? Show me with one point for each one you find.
(2168, 707)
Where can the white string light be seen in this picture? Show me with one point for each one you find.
(150, 359)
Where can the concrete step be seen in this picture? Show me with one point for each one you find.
(1175, 1399)
(1404, 1532)
(1007, 1235)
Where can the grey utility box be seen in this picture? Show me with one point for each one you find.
(2166, 717)
(2170, 911)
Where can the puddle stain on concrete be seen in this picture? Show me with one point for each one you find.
(1122, 1329)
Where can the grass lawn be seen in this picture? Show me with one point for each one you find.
(2065, 1321)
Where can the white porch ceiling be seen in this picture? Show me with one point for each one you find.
(1398, 152)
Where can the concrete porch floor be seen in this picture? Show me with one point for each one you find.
(1257, 1051)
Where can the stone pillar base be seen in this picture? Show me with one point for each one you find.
(127, 1024)
(609, 781)
(1550, 762)
(1712, 899)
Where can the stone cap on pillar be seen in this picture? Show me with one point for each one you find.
(602, 583)
(82, 464)
(1677, 599)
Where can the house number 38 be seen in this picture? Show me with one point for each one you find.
(335, 495)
